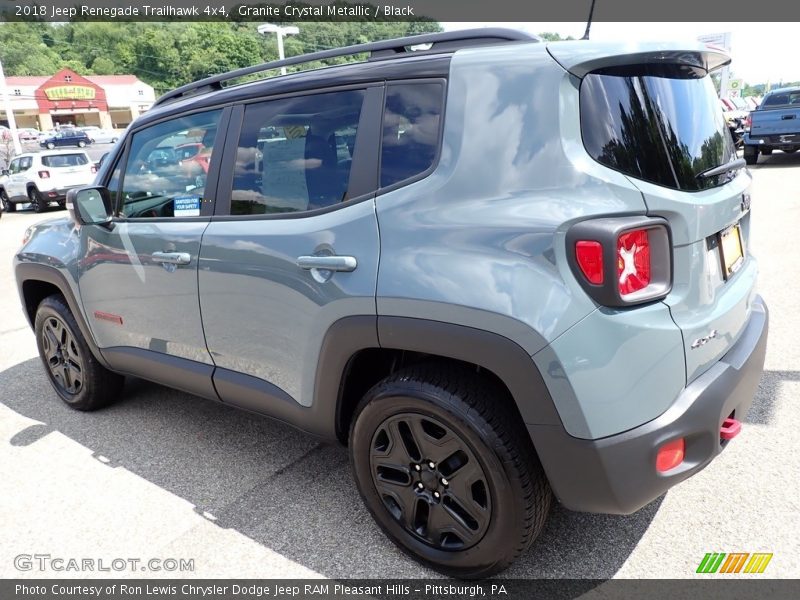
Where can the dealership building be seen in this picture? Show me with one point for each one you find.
(108, 101)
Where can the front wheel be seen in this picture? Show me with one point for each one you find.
(8, 206)
(81, 144)
(73, 371)
(447, 471)
(50, 145)
(790, 150)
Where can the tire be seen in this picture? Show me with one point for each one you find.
(37, 202)
(790, 151)
(8, 206)
(73, 371)
(471, 450)
(765, 151)
(750, 155)
(50, 145)
(81, 144)
(62, 204)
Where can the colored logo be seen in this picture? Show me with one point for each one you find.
(736, 562)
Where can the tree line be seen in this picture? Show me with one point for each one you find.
(167, 55)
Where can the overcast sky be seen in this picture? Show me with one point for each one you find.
(760, 51)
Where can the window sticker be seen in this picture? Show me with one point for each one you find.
(187, 206)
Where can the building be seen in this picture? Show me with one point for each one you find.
(108, 101)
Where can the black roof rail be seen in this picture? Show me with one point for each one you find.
(448, 41)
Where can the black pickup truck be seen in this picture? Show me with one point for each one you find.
(775, 125)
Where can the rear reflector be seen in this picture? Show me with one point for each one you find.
(589, 255)
(44, 174)
(633, 261)
(670, 455)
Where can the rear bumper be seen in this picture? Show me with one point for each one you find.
(617, 474)
(57, 194)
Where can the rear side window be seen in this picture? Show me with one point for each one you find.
(65, 160)
(296, 154)
(411, 123)
(663, 126)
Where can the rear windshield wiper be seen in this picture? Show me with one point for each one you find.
(734, 165)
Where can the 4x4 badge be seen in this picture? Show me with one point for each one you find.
(704, 340)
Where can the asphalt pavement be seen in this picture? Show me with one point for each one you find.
(162, 474)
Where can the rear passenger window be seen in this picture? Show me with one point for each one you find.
(296, 154)
(410, 130)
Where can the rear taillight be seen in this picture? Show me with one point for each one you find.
(633, 261)
(44, 174)
(748, 121)
(589, 255)
(622, 261)
(93, 169)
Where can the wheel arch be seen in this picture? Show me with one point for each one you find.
(351, 368)
(35, 282)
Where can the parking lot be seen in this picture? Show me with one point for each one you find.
(164, 474)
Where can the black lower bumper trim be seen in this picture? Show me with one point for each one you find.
(617, 474)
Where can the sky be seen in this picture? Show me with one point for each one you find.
(761, 52)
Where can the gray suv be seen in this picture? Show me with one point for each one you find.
(498, 270)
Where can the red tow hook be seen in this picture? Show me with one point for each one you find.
(730, 429)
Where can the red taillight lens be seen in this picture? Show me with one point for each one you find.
(670, 455)
(748, 121)
(93, 169)
(590, 260)
(44, 174)
(633, 261)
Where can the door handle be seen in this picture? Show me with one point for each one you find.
(328, 263)
(172, 258)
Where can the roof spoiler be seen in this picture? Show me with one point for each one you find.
(580, 58)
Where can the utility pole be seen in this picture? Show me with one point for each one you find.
(12, 123)
(280, 32)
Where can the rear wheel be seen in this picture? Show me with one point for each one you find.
(50, 145)
(73, 371)
(447, 471)
(37, 202)
(750, 155)
(81, 144)
(791, 150)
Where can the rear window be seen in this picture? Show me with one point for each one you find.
(65, 160)
(660, 125)
(782, 99)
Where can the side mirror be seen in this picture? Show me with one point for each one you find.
(6, 172)
(89, 205)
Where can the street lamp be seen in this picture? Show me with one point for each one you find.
(280, 31)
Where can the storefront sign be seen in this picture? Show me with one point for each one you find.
(70, 92)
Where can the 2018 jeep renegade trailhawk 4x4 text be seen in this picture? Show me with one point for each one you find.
(498, 270)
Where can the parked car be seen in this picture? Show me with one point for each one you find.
(100, 136)
(480, 265)
(28, 134)
(774, 125)
(43, 178)
(66, 137)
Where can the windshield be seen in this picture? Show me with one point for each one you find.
(661, 125)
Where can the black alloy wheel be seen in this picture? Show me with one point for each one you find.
(431, 481)
(62, 356)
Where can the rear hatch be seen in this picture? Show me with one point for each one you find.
(655, 116)
(68, 169)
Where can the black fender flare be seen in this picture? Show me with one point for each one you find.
(26, 272)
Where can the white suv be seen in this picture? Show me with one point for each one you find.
(44, 177)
